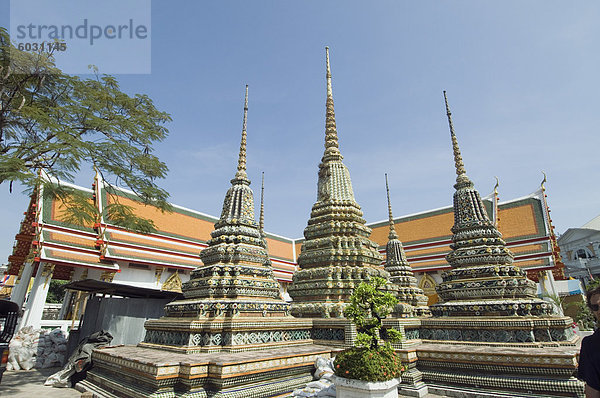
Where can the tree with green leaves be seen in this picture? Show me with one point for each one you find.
(367, 360)
(52, 124)
(369, 305)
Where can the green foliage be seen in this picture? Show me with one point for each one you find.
(368, 364)
(369, 305)
(367, 360)
(56, 291)
(594, 283)
(55, 123)
(584, 318)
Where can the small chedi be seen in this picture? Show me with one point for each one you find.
(491, 331)
(401, 273)
(337, 254)
(483, 280)
(232, 301)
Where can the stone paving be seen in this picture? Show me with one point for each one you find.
(30, 383)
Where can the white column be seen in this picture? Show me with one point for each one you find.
(19, 291)
(66, 304)
(548, 288)
(37, 297)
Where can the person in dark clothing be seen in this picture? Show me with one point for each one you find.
(589, 357)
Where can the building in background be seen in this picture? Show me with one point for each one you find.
(580, 248)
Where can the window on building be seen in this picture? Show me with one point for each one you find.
(583, 253)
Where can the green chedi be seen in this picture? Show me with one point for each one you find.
(412, 300)
(337, 254)
(483, 280)
(237, 277)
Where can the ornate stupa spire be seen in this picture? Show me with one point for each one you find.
(412, 299)
(235, 273)
(483, 279)
(261, 222)
(337, 253)
(392, 235)
(241, 175)
(332, 151)
(461, 173)
(233, 301)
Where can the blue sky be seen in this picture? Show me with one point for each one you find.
(522, 81)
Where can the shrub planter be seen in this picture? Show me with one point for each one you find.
(351, 388)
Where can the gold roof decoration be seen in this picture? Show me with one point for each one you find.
(173, 283)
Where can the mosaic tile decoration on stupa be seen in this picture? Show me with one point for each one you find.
(232, 336)
(493, 297)
(401, 274)
(232, 301)
(136, 372)
(490, 330)
(337, 254)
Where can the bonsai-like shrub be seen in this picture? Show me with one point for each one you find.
(368, 360)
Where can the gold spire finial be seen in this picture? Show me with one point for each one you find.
(241, 168)
(543, 182)
(331, 137)
(393, 234)
(458, 162)
(261, 222)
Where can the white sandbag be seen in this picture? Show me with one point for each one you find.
(322, 372)
(56, 336)
(318, 385)
(60, 379)
(27, 364)
(328, 392)
(321, 362)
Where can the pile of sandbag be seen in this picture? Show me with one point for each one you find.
(322, 386)
(36, 348)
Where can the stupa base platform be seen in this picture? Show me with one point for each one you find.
(139, 372)
(522, 371)
(193, 335)
(500, 331)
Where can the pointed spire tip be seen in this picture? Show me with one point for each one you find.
(392, 234)
(241, 167)
(458, 161)
(331, 137)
